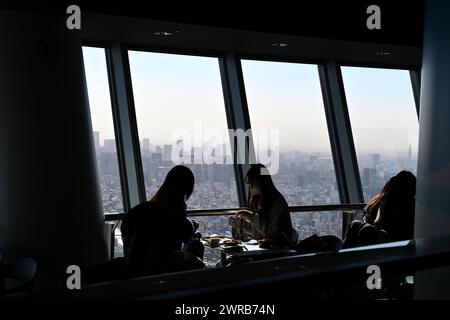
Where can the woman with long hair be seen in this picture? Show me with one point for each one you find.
(397, 210)
(268, 214)
(388, 216)
(372, 208)
(154, 230)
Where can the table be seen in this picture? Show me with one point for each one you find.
(220, 257)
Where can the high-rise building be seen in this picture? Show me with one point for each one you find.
(167, 152)
(108, 165)
(146, 147)
(109, 145)
(180, 148)
(376, 159)
(97, 141)
(196, 155)
(156, 159)
(369, 177)
(410, 153)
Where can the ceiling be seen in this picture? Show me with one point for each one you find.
(401, 21)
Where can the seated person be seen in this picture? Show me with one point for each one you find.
(268, 214)
(389, 215)
(153, 232)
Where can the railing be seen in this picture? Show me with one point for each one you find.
(232, 211)
(300, 276)
(346, 209)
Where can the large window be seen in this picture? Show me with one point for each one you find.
(103, 129)
(320, 223)
(286, 98)
(384, 123)
(181, 120)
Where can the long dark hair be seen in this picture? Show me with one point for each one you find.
(397, 211)
(176, 188)
(259, 173)
(371, 209)
(396, 202)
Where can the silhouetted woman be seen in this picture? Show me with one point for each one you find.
(268, 214)
(153, 232)
(397, 210)
(388, 216)
(372, 209)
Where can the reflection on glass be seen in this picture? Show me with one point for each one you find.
(103, 129)
(384, 123)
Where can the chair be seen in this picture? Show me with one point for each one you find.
(17, 276)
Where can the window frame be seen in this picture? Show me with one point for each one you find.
(414, 74)
(236, 110)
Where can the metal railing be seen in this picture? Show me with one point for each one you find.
(346, 209)
(232, 211)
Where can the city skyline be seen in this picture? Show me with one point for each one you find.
(281, 96)
(406, 150)
(304, 179)
(380, 101)
(110, 145)
(382, 167)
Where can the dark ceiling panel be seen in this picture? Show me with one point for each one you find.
(401, 21)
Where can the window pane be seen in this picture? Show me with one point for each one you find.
(384, 123)
(287, 97)
(103, 127)
(180, 112)
(214, 225)
(320, 223)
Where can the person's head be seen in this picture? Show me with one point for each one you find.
(404, 186)
(177, 187)
(397, 211)
(396, 206)
(260, 181)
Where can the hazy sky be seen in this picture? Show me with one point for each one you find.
(287, 97)
(98, 90)
(382, 109)
(175, 91)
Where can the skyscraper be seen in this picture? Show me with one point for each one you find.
(180, 147)
(376, 159)
(410, 153)
(97, 141)
(109, 145)
(146, 147)
(167, 152)
(368, 174)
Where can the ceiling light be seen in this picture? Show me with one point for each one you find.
(166, 33)
(383, 53)
(280, 44)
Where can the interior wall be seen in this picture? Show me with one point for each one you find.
(50, 206)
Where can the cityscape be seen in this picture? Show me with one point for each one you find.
(303, 179)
